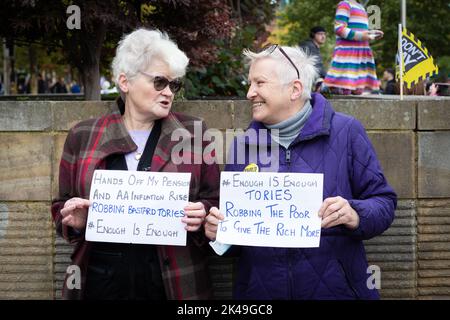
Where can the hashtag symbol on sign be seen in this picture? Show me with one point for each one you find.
(225, 183)
(91, 225)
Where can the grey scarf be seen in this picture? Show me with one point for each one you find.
(290, 128)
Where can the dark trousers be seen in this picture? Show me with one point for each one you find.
(119, 271)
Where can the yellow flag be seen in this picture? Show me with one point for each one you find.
(418, 64)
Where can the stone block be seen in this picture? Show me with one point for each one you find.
(23, 268)
(396, 275)
(434, 292)
(63, 250)
(392, 249)
(434, 208)
(25, 116)
(379, 114)
(397, 293)
(436, 229)
(433, 115)
(433, 264)
(433, 282)
(405, 209)
(58, 144)
(403, 222)
(434, 273)
(399, 231)
(396, 153)
(433, 246)
(387, 240)
(25, 166)
(433, 220)
(394, 266)
(391, 257)
(28, 293)
(242, 113)
(25, 260)
(433, 255)
(396, 284)
(68, 113)
(433, 237)
(25, 286)
(434, 164)
(216, 114)
(25, 217)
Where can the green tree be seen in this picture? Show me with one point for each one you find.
(194, 24)
(227, 75)
(424, 18)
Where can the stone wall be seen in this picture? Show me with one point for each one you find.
(412, 140)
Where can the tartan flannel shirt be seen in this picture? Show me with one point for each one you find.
(184, 269)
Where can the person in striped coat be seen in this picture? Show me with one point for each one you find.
(352, 69)
(146, 69)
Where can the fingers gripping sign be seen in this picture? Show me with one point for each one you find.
(212, 222)
(194, 216)
(337, 210)
(75, 213)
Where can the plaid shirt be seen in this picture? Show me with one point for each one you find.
(184, 269)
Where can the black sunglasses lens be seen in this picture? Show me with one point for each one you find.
(175, 86)
(160, 83)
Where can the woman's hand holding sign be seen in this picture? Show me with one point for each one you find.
(335, 211)
(75, 213)
(194, 216)
(212, 222)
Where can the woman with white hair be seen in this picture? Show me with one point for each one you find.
(147, 71)
(358, 203)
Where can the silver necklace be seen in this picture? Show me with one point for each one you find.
(138, 155)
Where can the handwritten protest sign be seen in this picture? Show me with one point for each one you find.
(138, 207)
(269, 209)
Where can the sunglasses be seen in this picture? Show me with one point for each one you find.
(160, 83)
(272, 47)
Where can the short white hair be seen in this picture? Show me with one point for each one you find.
(137, 50)
(304, 62)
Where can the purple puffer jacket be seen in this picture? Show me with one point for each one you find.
(336, 145)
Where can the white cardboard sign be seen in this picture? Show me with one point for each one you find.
(138, 207)
(270, 209)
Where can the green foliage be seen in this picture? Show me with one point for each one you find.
(301, 15)
(212, 33)
(444, 68)
(227, 76)
(193, 24)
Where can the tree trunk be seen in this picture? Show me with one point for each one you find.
(33, 69)
(89, 69)
(6, 69)
(91, 81)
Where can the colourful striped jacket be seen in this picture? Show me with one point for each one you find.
(184, 269)
(351, 20)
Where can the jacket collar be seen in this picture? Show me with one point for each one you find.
(318, 124)
(166, 144)
(116, 138)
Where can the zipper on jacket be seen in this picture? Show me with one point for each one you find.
(288, 157)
